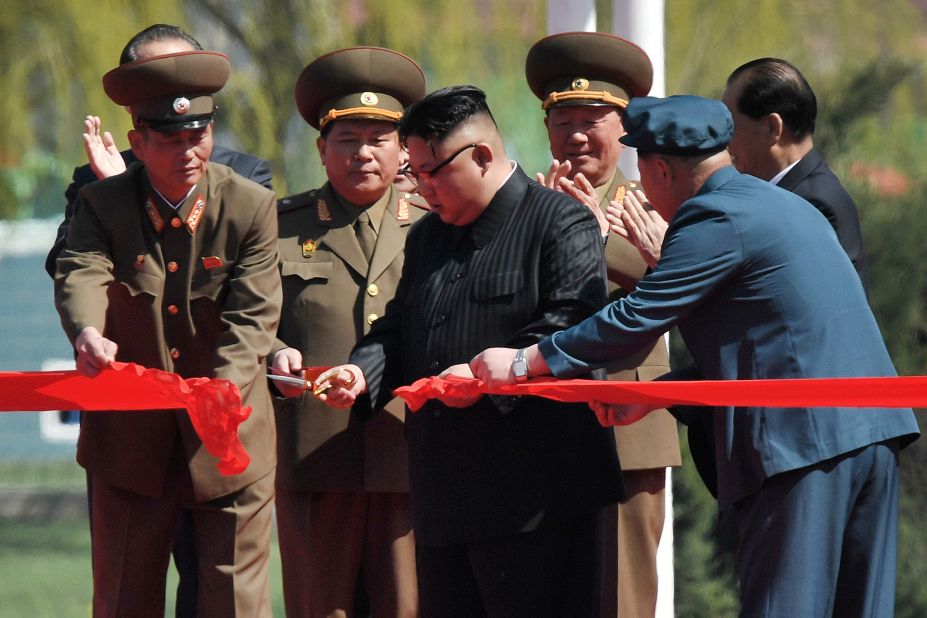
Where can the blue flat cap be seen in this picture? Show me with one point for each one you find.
(677, 125)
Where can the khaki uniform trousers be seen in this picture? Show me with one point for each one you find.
(330, 540)
(629, 588)
(132, 540)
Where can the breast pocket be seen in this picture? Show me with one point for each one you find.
(138, 283)
(210, 282)
(319, 272)
(498, 287)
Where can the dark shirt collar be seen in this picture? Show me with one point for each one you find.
(506, 198)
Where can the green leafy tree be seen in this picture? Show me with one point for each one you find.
(52, 56)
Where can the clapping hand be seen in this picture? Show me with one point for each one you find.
(635, 220)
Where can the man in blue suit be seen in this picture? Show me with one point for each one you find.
(760, 288)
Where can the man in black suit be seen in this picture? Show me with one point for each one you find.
(507, 494)
(774, 112)
(106, 160)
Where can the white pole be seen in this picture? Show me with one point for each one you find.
(570, 16)
(641, 22)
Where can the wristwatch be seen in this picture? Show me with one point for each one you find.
(520, 366)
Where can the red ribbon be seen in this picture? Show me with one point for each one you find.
(214, 405)
(887, 392)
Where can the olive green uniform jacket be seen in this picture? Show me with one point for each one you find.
(197, 294)
(654, 441)
(331, 297)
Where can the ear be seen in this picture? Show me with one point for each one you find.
(483, 156)
(774, 127)
(136, 142)
(666, 171)
(320, 145)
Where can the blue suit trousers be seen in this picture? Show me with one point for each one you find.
(821, 540)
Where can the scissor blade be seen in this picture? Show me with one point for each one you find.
(290, 380)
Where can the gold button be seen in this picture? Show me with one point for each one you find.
(372, 289)
(372, 318)
(172, 309)
(172, 266)
(175, 353)
(176, 222)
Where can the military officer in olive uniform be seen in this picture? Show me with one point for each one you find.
(173, 265)
(585, 80)
(342, 483)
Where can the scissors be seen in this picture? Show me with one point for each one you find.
(306, 383)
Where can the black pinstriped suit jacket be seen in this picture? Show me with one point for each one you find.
(529, 266)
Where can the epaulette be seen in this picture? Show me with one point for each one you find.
(414, 199)
(295, 202)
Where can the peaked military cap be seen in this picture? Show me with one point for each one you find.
(677, 125)
(587, 68)
(358, 82)
(172, 92)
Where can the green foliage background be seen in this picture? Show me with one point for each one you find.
(864, 59)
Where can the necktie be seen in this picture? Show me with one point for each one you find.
(366, 237)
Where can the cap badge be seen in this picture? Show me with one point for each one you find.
(580, 83)
(369, 99)
(308, 248)
(181, 105)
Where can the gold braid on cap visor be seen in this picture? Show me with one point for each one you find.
(334, 114)
(605, 97)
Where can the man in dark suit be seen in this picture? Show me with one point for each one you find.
(774, 112)
(813, 491)
(507, 510)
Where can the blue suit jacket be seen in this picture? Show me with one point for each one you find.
(245, 165)
(760, 288)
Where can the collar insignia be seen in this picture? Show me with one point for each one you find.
(157, 222)
(402, 210)
(195, 216)
(322, 211)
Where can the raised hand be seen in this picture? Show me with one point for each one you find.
(105, 159)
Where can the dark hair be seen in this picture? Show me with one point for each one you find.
(772, 85)
(442, 111)
(157, 32)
